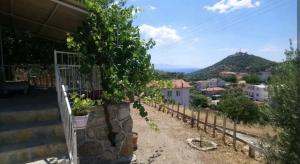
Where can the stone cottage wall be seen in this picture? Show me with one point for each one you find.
(93, 143)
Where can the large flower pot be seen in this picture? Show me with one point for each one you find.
(80, 122)
(134, 140)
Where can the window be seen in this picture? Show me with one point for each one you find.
(177, 93)
(257, 94)
(169, 93)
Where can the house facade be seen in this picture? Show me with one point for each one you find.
(203, 84)
(256, 92)
(180, 92)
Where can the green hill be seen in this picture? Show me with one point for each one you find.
(238, 62)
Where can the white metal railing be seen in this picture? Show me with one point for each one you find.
(64, 75)
(66, 117)
(69, 79)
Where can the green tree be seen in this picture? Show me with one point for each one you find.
(284, 90)
(252, 79)
(231, 79)
(239, 109)
(197, 100)
(109, 40)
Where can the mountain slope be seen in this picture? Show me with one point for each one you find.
(238, 62)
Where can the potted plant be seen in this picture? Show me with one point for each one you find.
(80, 107)
(134, 140)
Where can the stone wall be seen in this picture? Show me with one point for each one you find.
(93, 143)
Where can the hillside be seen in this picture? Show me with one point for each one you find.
(238, 62)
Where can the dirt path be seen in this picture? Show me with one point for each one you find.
(169, 145)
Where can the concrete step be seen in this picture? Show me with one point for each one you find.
(14, 134)
(32, 151)
(26, 116)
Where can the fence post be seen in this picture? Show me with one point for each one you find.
(198, 118)
(183, 117)
(192, 120)
(251, 151)
(215, 122)
(177, 110)
(206, 117)
(224, 129)
(172, 109)
(168, 104)
(234, 135)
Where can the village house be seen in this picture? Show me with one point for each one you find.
(256, 92)
(180, 92)
(203, 84)
(238, 75)
(213, 91)
(225, 74)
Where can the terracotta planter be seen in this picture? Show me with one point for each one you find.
(80, 122)
(134, 140)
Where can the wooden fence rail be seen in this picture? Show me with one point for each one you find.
(196, 121)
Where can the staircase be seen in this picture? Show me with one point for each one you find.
(31, 130)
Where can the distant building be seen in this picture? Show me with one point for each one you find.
(264, 75)
(256, 92)
(203, 84)
(213, 91)
(225, 74)
(180, 92)
(238, 75)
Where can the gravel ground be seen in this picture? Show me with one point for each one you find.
(169, 146)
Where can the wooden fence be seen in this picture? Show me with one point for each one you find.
(194, 120)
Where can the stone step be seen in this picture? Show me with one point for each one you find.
(26, 116)
(52, 160)
(32, 151)
(14, 134)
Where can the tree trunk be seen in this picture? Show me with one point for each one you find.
(206, 117)
(215, 122)
(198, 119)
(111, 134)
(224, 129)
(234, 135)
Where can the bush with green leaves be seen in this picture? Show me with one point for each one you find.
(109, 40)
(252, 79)
(240, 109)
(197, 100)
(284, 88)
(81, 104)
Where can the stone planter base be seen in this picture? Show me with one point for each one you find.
(93, 144)
(211, 144)
(80, 122)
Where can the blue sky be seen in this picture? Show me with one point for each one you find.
(199, 33)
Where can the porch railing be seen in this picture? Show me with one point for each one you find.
(66, 117)
(66, 78)
(69, 79)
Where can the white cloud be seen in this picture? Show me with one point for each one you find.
(184, 27)
(161, 34)
(225, 6)
(152, 7)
